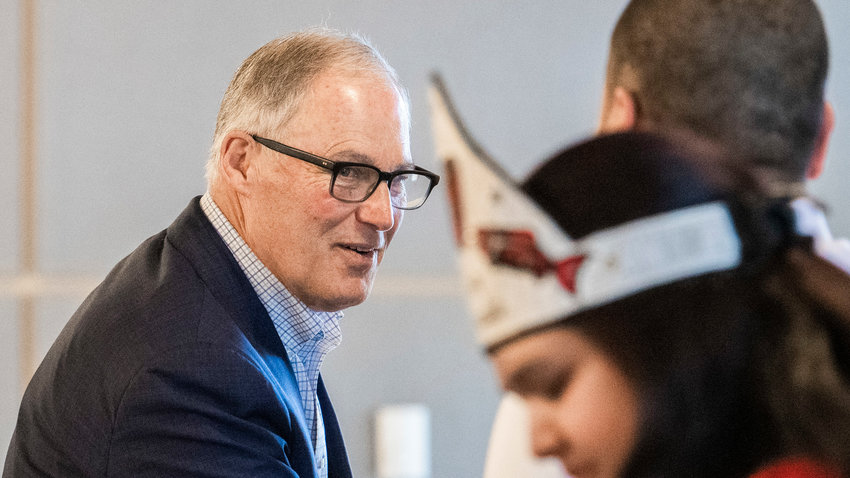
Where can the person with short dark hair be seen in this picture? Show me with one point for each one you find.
(747, 74)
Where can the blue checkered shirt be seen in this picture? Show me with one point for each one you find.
(307, 335)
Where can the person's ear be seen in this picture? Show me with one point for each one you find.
(818, 158)
(236, 157)
(620, 112)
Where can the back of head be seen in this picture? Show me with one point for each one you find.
(747, 73)
(266, 90)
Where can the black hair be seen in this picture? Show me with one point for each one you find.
(735, 368)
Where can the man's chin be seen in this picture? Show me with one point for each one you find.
(355, 295)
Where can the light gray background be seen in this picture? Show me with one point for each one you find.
(128, 93)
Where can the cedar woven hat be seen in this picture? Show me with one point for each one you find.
(535, 253)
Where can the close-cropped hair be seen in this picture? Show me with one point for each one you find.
(747, 73)
(733, 368)
(269, 86)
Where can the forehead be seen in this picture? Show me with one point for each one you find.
(359, 116)
(343, 97)
(551, 347)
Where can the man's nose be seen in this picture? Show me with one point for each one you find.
(377, 210)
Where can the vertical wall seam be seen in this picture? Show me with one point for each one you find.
(27, 213)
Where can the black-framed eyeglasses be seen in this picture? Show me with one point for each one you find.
(355, 182)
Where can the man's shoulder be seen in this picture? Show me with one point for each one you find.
(151, 307)
(154, 299)
(156, 282)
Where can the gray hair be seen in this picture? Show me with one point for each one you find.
(269, 86)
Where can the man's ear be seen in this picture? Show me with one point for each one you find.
(235, 162)
(620, 112)
(818, 158)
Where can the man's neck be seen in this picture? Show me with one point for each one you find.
(229, 204)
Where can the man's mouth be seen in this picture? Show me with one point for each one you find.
(363, 250)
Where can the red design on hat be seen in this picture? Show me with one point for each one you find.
(519, 249)
(567, 270)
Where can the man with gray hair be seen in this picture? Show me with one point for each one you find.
(199, 354)
(747, 75)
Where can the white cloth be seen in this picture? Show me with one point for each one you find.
(509, 452)
(811, 221)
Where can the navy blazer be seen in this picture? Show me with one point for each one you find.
(171, 367)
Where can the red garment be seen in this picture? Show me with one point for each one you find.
(796, 468)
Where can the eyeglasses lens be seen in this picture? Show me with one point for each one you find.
(354, 183)
(409, 191)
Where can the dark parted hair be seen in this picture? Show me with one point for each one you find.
(749, 74)
(734, 368)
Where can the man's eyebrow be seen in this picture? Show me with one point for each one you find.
(352, 157)
(355, 157)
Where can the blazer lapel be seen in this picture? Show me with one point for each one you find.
(196, 238)
(338, 466)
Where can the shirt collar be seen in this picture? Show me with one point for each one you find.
(811, 221)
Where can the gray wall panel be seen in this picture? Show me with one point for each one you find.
(9, 130)
(403, 350)
(9, 373)
(126, 117)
